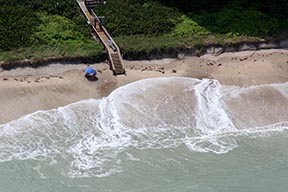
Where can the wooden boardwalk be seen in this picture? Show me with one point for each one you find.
(113, 51)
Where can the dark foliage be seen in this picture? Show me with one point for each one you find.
(196, 6)
(17, 27)
(66, 8)
(276, 8)
(60, 22)
(238, 22)
(127, 17)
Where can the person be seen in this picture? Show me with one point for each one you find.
(111, 44)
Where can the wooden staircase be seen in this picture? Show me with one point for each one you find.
(113, 51)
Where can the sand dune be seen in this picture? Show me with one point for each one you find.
(25, 90)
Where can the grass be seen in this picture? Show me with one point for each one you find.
(41, 52)
(142, 43)
(127, 44)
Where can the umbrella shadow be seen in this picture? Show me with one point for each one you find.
(91, 78)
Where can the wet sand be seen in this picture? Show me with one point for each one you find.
(25, 90)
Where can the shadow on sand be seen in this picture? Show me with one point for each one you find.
(91, 78)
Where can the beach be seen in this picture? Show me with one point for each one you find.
(209, 123)
(26, 90)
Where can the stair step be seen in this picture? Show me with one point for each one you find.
(102, 35)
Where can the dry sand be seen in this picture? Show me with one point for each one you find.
(25, 90)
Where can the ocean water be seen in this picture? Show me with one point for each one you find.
(160, 134)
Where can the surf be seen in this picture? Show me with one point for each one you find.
(87, 138)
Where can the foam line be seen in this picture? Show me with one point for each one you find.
(87, 137)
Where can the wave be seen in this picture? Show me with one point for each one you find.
(87, 137)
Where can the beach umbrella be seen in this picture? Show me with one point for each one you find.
(90, 71)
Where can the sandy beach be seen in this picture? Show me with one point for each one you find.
(25, 90)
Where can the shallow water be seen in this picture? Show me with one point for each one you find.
(163, 134)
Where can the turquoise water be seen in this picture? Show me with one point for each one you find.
(164, 134)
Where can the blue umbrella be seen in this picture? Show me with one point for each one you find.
(90, 71)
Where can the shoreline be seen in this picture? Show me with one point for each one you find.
(26, 90)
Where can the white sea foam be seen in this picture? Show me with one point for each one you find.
(86, 138)
(211, 114)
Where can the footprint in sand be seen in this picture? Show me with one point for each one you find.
(132, 67)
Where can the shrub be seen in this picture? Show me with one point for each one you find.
(187, 26)
(66, 8)
(16, 29)
(129, 17)
(238, 21)
(55, 29)
(285, 24)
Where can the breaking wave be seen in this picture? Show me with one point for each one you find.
(87, 137)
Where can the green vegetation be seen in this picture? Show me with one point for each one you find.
(59, 51)
(58, 30)
(148, 43)
(187, 26)
(15, 30)
(130, 17)
(54, 28)
(29, 32)
(238, 22)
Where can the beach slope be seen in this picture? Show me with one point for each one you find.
(25, 90)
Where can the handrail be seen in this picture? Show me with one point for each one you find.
(110, 46)
(108, 35)
(106, 48)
